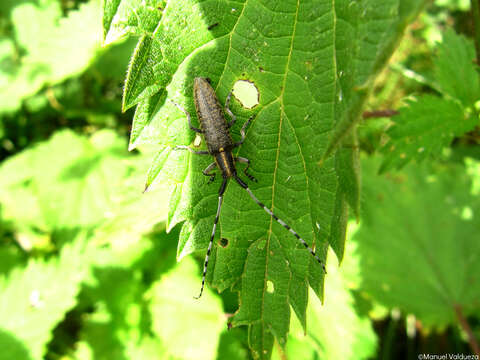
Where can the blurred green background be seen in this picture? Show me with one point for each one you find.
(87, 270)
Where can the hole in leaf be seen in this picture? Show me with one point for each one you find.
(246, 93)
(270, 287)
(198, 141)
(261, 244)
(223, 242)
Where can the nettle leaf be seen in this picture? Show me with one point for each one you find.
(52, 48)
(416, 240)
(430, 123)
(124, 17)
(306, 60)
(63, 181)
(336, 330)
(365, 37)
(455, 69)
(34, 299)
(72, 181)
(172, 306)
(423, 129)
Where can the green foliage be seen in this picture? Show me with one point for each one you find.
(34, 299)
(456, 54)
(51, 192)
(335, 329)
(416, 242)
(423, 129)
(172, 306)
(429, 124)
(44, 48)
(307, 85)
(87, 269)
(291, 132)
(72, 193)
(123, 17)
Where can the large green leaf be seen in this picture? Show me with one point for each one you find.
(72, 181)
(65, 182)
(177, 317)
(455, 68)
(427, 125)
(47, 48)
(417, 242)
(310, 62)
(335, 330)
(423, 129)
(34, 299)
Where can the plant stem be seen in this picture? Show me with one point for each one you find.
(379, 113)
(466, 327)
(476, 24)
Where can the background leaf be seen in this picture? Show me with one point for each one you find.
(456, 55)
(170, 311)
(423, 129)
(428, 215)
(335, 328)
(34, 300)
(53, 48)
(431, 123)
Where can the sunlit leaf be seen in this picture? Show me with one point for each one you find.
(34, 299)
(311, 63)
(177, 316)
(53, 48)
(124, 17)
(335, 330)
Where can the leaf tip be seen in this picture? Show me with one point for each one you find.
(147, 187)
(132, 146)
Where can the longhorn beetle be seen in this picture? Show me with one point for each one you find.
(215, 130)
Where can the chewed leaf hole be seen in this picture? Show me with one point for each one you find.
(198, 141)
(223, 242)
(246, 93)
(270, 287)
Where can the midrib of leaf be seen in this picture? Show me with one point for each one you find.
(282, 115)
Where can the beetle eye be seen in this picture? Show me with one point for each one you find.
(209, 80)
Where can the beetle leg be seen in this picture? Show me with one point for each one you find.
(242, 132)
(229, 112)
(207, 256)
(245, 171)
(184, 147)
(208, 172)
(189, 118)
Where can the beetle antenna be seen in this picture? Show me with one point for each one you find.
(280, 221)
